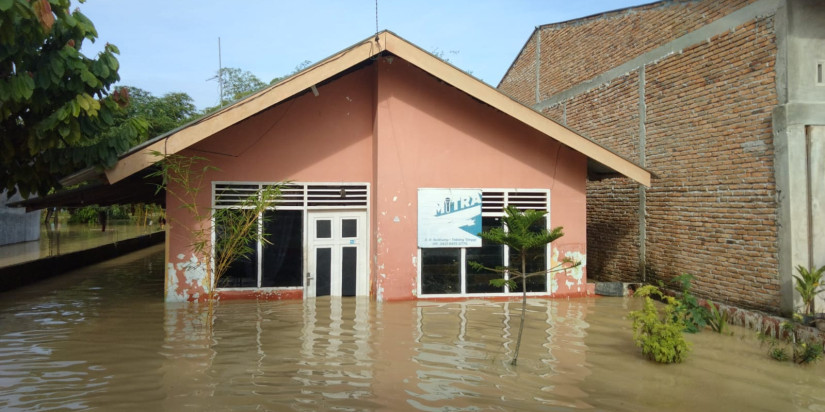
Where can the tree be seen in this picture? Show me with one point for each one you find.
(303, 65)
(521, 233)
(161, 114)
(55, 102)
(235, 85)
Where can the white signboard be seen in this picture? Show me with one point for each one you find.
(449, 218)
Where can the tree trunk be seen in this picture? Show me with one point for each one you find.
(523, 305)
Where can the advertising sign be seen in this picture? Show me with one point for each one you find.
(449, 218)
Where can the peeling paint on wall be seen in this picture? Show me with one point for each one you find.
(574, 278)
(187, 280)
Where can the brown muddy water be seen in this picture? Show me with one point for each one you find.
(102, 338)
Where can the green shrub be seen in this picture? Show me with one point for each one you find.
(695, 316)
(717, 320)
(659, 335)
(808, 284)
(802, 352)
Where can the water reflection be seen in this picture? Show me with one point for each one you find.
(66, 238)
(102, 338)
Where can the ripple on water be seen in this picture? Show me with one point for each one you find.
(103, 338)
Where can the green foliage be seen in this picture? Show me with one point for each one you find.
(779, 353)
(300, 67)
(802, 352)
(523, 234)
(659, 334)
(235, 85)
(239, 229)
(694, 315)
(717, 320)
(808, 284)
(183, 178)
(91, 214)
(88, 214)
(161, 114)
(55, 102)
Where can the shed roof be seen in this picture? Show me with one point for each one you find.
(601, 160)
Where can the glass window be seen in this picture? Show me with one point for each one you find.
(349, 270)
(440, 271)
(536, 261)
(243, 272)
(448, 270)
(490, 255)
(323, 229)
(349, 227)
(282, 262)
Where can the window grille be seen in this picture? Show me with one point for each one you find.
(230, 194)
(493, 201)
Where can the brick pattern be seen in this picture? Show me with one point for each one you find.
(612, 231)
(610, 116)
(575, 51)
(555, 113)
(712, 210)
(522, 74)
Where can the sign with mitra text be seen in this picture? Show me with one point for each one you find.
(449, 218)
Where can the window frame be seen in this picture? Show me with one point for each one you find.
(487, 212)
(301, 196)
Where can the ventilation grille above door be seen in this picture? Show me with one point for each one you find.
(493, 201)
(316, 196)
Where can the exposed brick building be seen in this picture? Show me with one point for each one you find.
(724, 101)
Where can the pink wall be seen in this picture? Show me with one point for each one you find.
(327, 138)
(429, 134)
(400, 129)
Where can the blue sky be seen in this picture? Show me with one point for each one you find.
(172, 45)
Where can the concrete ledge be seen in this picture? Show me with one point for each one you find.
(22, 274)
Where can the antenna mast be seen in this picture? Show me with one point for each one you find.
(220, 73)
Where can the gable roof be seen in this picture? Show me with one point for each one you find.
(600, 159)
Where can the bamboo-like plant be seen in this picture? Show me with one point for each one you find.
(183, 177)
(808, 284)
(519, 236)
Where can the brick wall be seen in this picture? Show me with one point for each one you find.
(610, 115)
(584, 48)
(712, 208)
(522, 74)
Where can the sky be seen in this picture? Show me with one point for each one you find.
(172, 45)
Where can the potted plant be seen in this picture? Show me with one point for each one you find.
(808, 284)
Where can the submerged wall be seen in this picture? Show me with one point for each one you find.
(399, 129)
(431, 135)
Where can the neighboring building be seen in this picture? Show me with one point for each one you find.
(18, 225)
(382, 143)
(724, 102)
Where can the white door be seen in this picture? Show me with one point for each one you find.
(337, 254)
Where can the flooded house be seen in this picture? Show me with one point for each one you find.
(395, 160)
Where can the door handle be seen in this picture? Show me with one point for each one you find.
(309, 278)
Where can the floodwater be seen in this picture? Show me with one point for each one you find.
(67, 238)
(102, 338)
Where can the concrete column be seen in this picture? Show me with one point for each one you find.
(792, 194)
(816, 192)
